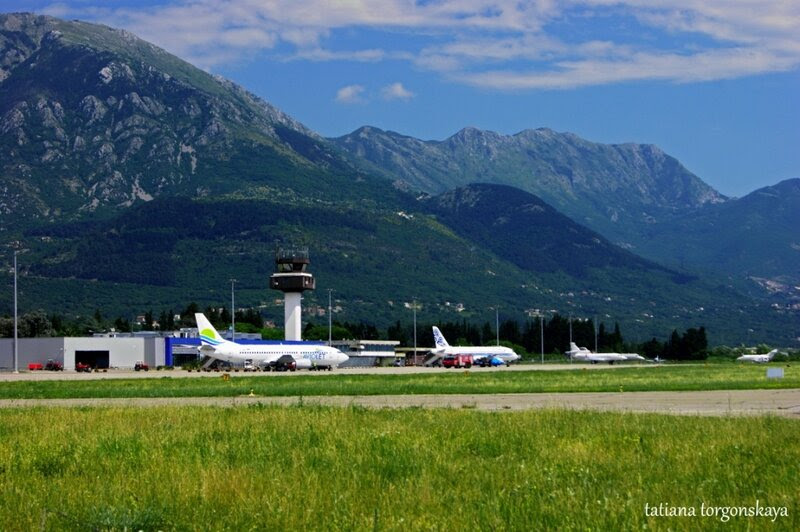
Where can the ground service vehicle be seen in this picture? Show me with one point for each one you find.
(457, 361)
(491, 362)
(284, 363)
(52, 365)
(141, 366)
(83, 367)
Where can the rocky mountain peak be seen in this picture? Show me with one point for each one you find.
(93, 117)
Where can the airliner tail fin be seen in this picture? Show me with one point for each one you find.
(438, 337)
(208, 334)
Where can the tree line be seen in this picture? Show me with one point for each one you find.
(525, 337)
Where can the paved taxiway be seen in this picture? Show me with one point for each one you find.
(785, 403)
(406, 370)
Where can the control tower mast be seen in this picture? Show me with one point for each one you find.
(292, 279)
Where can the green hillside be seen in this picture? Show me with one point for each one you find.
(757, 236)
(166, 253)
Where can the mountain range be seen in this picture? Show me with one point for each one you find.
(612, 188)
(635, 195)
(133, 180)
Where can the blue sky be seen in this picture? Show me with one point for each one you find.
(715, 84)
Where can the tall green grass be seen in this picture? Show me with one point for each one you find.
(312, 468)
(476, 381)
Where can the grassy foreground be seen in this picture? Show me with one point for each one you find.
(310, 468)
(476, 381)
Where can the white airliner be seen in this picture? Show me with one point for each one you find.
(303, 356)
(583, 354)
(766, 357)
(478, 353)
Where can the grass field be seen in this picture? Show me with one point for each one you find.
(310, 468)
(661, 378)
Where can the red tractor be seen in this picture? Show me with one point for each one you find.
(53, 365)
(82, 367)
(141, 366)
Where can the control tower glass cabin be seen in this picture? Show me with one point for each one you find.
(292, 279)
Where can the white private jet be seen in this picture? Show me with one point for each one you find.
(479, 354)
(297, 356)
(584, 355)
(762, 358)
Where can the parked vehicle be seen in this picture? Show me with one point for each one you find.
(35, 366)
(82, 367)
(457, 361)
(491, 362)
(53, 365)
(141, 366)
(281, 366)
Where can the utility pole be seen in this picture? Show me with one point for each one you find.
(330, 322)
(16, 345)
(233, 313)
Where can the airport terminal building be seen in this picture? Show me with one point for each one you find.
(125, 351)
(102, 352)
(105, 351)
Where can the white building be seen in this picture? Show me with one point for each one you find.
(103, 352)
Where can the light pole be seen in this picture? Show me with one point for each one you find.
(330, 323)
(497, 323)
(233, 313)
(541, 331)
(570, 336)
(16, 346)
(595, 334)
(570, 328)
(414, 310)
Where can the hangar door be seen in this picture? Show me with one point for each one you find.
(95, 359)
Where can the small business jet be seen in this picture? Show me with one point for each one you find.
(582, 354)
(762, 358)
(302, 356)
(491, 353)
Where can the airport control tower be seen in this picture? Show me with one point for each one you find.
(292, 279)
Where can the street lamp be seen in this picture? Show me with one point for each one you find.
(570, 336)
(414, 309)
(16, 346)
(330, 323)
(496, 322)
(570, 328)
(233, 313)
(541, 333)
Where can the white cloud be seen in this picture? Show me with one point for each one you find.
(707, 66)
(396, 91)
(492, 43)
(350, 94)
(361, 56)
